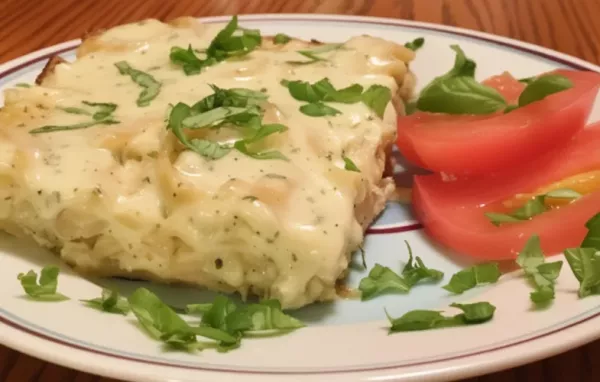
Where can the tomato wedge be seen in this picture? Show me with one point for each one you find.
(507, 85)
(469, 145)
(452, 211)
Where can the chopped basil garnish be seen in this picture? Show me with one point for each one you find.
(585, 261)
(475, 313)
(227, 319)
(231, 41)
(382, 279)
(592, 239)
(543, 86)
(198, 308)
(188, 60)
(318, 109)
(45, 290)
(471, 277)
(457, 92)
(376, 97)
(23, 85)
(238, 108)
(533, 207)
(541, 274)
(160, 321)
(415, 44)
(145, 80)
(110, 302)
(76, 126)
(263, 132)
(102, 115)
(281, 39)
(585, 264)
(313, 54)
(349, 165)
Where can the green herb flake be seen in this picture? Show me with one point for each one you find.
(476, 275)
(349, 165)
(110, 301)
(542, 275)
(23, 85)
(45, 289)
(281, 39)
(150, 84)
(415, 44)
(476, 313)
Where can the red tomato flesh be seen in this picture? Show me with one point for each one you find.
(507, 85)
(469, 144)
(452, 212)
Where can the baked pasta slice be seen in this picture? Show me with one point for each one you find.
(205, 154)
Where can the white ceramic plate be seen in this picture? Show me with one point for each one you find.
(347, 340)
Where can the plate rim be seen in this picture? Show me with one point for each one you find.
(466, 366)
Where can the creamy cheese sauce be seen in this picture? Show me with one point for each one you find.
(281, 229)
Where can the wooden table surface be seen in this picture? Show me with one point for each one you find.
(569, 26)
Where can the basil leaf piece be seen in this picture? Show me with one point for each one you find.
(377, 97)
(585, 264)
(304, 91)
(263, 132)
(542, 87)
(198, 308)
(216, 116)
(415, 44)
(187, 59)
(23, 85)
(415, 271)
(110, 302)
(460, 95)
(527, 80)
(533, 207)
(281, 39)
(145, 80)
(476, 275)
(268, 315)
(160, 321)
(209, 149)
(564, 193)
(381, 279)
(457, 92)
(104, 109)
(476, 313)
(76, 126)
(349, 165)
(318, 109)
(45, 290)
(313, 54)
(351, 94)
(226, 44)
(592, 239)
(75, 110)
(541, 274)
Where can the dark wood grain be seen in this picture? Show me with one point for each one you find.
(569, 26)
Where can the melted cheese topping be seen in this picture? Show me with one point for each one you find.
(127, 199)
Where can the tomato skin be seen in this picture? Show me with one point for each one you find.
(452, 212)
(470, 145)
